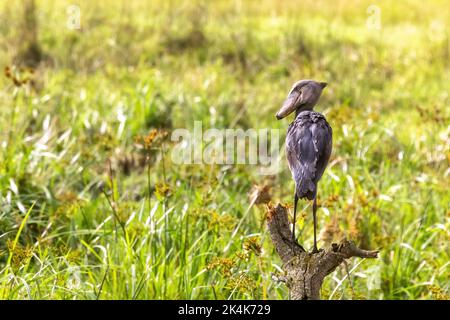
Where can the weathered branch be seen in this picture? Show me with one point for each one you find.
(305, 271)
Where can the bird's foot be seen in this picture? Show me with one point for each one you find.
(315, 250)
(296, 244)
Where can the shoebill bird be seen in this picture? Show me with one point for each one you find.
(308, 143)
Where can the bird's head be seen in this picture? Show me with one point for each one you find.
(303, 96)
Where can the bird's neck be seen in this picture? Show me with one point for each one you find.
(302, 109)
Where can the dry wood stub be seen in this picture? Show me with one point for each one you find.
(304, 271)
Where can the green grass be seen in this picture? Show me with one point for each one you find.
(89, 212)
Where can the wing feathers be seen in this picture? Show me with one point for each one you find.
(308, 148)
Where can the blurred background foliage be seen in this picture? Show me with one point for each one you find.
(92, 207)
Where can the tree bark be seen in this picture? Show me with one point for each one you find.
(304, 271)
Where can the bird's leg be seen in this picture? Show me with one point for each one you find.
(315, 223)
(295, 217)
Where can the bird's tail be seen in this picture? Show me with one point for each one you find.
(305, 188)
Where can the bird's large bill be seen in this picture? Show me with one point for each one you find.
(290, 104)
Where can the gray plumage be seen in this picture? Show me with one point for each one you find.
(308, 143)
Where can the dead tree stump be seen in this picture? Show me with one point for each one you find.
(304, 271)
